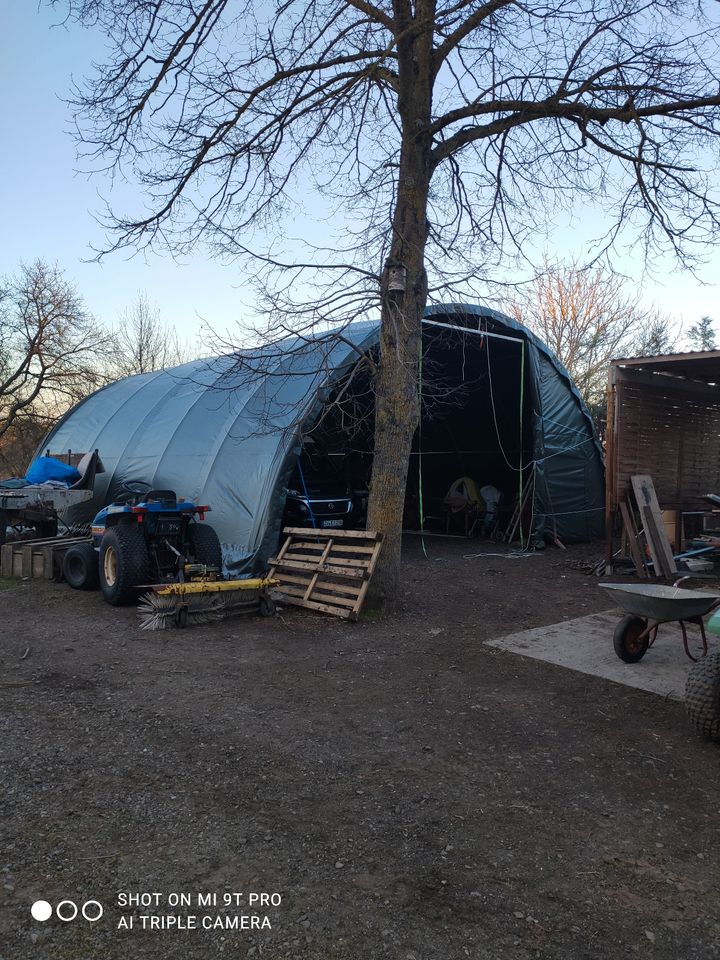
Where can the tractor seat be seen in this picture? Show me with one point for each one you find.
(160, 496)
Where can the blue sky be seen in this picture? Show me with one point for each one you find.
(47, 208)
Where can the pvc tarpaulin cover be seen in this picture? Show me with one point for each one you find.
(226, 432)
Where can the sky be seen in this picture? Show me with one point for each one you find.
(49, 210)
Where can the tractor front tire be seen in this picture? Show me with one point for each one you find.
(80, 567)
(205, 545)
(124, 564)
(702, 696)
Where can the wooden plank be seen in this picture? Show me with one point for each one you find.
(371, 570)
(656, 536)
(289, 578)
(632, 540)
(331, 599)
(311, 585)
(26, 555)
(360, 563)
(357, 548)
(334, 532)
(647, 501)
(292, 564)
(322, 607)
(6, 560)
(341, 589)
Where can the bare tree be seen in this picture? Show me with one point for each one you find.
(587, 316)
(49, 347)
(440, 135)
(658, 334)
(701, 335)
(143, 343)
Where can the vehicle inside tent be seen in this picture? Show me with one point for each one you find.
(475, 424)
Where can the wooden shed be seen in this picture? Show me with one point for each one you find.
(664, 420)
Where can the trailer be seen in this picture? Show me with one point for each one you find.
(39, 505)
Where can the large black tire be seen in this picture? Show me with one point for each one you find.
(702, 695)
(627, 646)
(46, 529)
(205, 545)
(124, 564)
(80, 567)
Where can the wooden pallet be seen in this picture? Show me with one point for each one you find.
(36, 559)
(326, 570)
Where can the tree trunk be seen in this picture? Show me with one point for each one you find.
(397, 404)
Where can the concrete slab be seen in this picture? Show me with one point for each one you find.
(585, 645)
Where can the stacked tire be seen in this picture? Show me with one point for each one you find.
(702, 696)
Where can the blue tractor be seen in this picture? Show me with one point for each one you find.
(148, 537)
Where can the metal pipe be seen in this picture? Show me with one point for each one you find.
(478, 333)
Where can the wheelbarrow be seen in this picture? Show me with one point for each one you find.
(650, 605)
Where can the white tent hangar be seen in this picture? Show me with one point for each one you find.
(497, 406)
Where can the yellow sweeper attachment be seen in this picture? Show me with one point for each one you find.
(203, 601)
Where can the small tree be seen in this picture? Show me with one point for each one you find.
(701, 335)
(658, 334)
(143, 343)
(49, 347)
(587, 316)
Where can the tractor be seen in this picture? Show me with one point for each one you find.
(147, 537)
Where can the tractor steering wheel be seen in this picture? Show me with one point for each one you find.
(132, 487)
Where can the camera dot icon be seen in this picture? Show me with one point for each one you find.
(41, 910)
(67, 910)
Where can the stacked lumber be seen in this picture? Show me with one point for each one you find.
(36, 559)
(644, 532)
(326, 570)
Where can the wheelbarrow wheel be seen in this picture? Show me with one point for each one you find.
(627, 641)
(702, 696)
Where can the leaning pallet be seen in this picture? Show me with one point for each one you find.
(36, 559)
(326, 570)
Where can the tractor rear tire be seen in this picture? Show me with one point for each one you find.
(702, 696)
(205, 545)
(80, 567)
(124, 564)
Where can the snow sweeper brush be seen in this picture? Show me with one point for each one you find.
(180, 604)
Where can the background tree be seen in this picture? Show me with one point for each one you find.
(657, 334)
(701, 335)
(588, 316)
(49, 349)
(143, 343)
(441, 133)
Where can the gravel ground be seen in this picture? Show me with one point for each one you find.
(408, 792)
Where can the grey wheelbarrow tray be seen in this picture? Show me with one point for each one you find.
(649, 606)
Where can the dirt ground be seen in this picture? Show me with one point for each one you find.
(409, 792)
